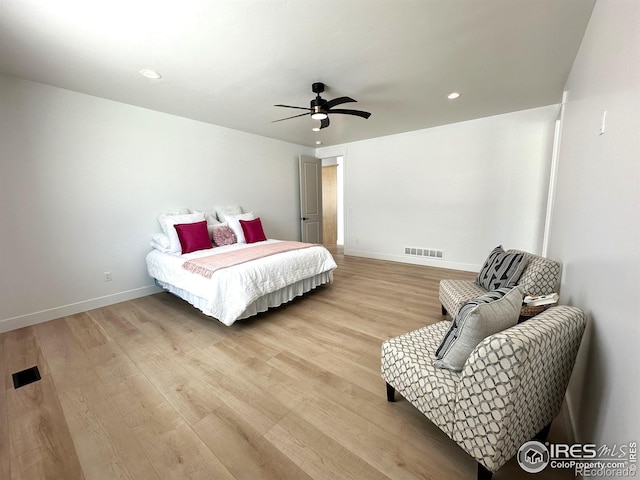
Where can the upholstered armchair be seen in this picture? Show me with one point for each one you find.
(509, 390)
(541, 276)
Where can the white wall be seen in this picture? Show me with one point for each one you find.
(463, 188)
(596, 223)
(82, 180)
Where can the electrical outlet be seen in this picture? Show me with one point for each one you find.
(107, 276)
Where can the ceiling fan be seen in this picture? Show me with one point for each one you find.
(320, 108)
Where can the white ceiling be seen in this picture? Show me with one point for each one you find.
(227, 62)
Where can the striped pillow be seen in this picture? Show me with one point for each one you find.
(501, 269)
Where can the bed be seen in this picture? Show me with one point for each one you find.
(238, 280)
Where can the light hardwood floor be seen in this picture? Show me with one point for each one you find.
(152, 389)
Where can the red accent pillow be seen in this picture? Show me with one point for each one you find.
(253, 231)
(193, 236)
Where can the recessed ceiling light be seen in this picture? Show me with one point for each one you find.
(315, 129)
(453, 95)
(152, 74)
(318, 142)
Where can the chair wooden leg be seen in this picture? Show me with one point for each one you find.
(541, 436)
(483, 473)
(444, 311)
(391, 393)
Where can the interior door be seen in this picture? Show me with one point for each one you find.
(311, 199)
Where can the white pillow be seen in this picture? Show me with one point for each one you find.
(225, 210)
(178, 211)
(234, 224)
(161, 242)
(209, 216)
(167, 223)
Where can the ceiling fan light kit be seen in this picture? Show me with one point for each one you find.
(319, 115)
(320, 109)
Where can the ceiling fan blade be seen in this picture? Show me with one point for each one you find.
(295, 116)
(291, 106)
(324, 123)
(337, 101)
(357, 113)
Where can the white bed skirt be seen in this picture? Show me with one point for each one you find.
(262, 304)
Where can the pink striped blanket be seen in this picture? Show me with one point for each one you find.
(207, 266)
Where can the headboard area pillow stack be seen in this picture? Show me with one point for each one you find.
(168, 221)
(185, 230)
(223, 211)
(211, 218)
(234, 224)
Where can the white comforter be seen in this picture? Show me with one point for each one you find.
(231, 290)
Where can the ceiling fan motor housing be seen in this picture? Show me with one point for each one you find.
(317, 104)
(317, 87)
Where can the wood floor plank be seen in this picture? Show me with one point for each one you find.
(395, 459)
(106, 446)
(319, 455)
(180, 454)
(192, 398)
(114, 319)
(348, 369)
(5, 453)
(173, 448)
(98, 456)
(238, 363)
(88, 333)
(41, 445)
(246, 399)
(399, 420)
(66, 359)
(178, 321)
(243, 449)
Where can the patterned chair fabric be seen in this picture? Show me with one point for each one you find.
(454, 294)
(511, 386)
(407, 365)
(541, 276)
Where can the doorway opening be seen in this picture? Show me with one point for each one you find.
(333, 201)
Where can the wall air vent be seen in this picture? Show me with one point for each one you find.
(424, 252)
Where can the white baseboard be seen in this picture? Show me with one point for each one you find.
(569, 425)
(467, 267)
(73, 308)
(569, 420)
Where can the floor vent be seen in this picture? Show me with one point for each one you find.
(25, 377)
(424, 252)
